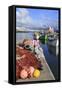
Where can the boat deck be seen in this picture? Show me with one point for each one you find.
(46, 73)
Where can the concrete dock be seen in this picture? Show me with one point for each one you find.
(46, 73)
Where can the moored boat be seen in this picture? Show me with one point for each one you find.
(53, 46)
(43, 39)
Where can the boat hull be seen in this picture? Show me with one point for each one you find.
(53, 48)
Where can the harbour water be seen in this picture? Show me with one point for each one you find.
(51, 59)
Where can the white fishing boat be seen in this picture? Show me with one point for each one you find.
(53, 46)
(52, 37)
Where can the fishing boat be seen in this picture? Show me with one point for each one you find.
(52, 37)
(53, 45)
(43, 39)
(36, 35)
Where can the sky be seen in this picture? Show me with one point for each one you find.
(36, 17)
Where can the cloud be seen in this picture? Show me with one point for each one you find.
(47, 20)
(22, 17)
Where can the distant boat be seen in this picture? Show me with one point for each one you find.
(53, 46)
(36, 35)
(43, 39)
(52, 37)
